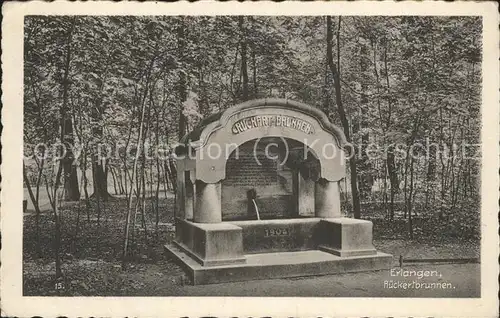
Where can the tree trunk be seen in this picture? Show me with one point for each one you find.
(393, 178)
(143, 209)
(115, 182)
(129, 210)
(57, 236)
(326, 90)
(365, 180)
(172, 173)
(97, 195)
(443, 181)
(126, 178)
(405, 186)
(342, 114)
(231, 77)
(166, 184)
(384, 198)
(48, 191)
(382, 124)
(41, 167)
(100, 181)
(254, 70)
(158, 177)
(57, 220)
(120, 180)
(85, 184)
(34, 200)
(71, 191)
(144, 170)
(68, 158)
(410, 201)
(182, 93)
(134, 169)
(244, 68)
(37, 198)
(430, 175)
(390, 160)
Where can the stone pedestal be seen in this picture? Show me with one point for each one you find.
(211, 244)
(346, 237)
(226, 252)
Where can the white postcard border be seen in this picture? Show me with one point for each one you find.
(12, 301)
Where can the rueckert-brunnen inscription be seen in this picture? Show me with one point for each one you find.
(258, 197)
(272, 120)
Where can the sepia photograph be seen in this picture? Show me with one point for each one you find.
(252, 155)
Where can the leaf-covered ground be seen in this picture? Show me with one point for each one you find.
(92, 262)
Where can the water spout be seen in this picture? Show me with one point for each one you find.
(256, 209)
(251, 196)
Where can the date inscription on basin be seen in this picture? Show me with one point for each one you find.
(271, 232)
(259, 237)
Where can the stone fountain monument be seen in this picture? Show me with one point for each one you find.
(258, 197)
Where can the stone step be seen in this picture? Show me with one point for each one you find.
(279, 265)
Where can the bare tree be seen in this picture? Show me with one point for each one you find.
(338, 98)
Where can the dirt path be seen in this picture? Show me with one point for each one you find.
(99, 278)
(464, 281)
(451, 281)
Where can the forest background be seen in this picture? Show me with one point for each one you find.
(139, 83)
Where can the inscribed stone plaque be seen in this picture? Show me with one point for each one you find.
(248, 167)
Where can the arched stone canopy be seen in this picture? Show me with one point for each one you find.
(218, 135)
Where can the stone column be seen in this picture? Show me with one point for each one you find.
(180, 202)
(327, 199)
(188, 200)
(208, 203)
